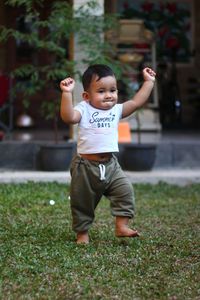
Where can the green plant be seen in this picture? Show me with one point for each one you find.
(49, 36)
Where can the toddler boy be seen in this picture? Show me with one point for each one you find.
(95, 170)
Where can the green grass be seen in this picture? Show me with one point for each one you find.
(39, 259)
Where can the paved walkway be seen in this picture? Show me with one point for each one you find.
(178, 177)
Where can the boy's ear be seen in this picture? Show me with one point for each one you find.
(85, 96)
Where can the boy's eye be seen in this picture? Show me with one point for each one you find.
(111, 91)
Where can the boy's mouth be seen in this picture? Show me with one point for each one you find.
(107, 101)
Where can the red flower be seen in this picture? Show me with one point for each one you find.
(162, 6)
(141, 45)
(163, 30)
(125, 5)
(147, 6)
(172, 7)
(172, 43)
(187, 27)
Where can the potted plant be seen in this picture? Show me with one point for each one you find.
(48, 37)
(138, 156)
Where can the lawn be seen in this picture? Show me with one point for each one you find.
(39, 259)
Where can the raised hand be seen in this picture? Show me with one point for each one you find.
(149, 74)
(67, 84)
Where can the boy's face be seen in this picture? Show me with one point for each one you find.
(102, 94)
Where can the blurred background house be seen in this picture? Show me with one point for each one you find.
(163, 34)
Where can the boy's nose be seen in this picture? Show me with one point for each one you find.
(108, 95)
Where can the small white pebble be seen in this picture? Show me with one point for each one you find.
(51, 202)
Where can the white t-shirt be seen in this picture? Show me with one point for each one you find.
(98, 129)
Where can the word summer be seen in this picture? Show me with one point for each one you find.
(96, 119)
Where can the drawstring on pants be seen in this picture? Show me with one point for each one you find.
(102, 169)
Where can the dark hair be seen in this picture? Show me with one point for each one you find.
(99, 70)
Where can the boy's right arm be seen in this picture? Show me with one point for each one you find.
(67, 112)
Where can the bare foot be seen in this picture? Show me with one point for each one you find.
(82, 238)
(126, 232)
(122, 229)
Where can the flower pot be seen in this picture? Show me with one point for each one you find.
(56, 157)
(138, 157)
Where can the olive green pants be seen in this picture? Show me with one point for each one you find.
(90, 181)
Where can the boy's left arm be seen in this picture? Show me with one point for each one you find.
(141, 97)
